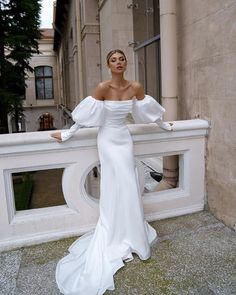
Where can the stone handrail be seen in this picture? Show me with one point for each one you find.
(38, 151)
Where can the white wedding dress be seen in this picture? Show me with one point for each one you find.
(121, 229)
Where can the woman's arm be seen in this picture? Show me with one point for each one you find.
(86, 113)
(139, 93)
(66, 134)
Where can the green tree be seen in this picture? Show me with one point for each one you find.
(19, 34)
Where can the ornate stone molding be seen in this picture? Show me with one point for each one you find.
(89, 29)
(101, 3)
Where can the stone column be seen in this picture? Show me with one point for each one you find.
(169, 81)
(90, 45)
(79, 67)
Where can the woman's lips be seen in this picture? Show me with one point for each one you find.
(119, 68)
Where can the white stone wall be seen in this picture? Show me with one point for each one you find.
(116, 31)
(90, 45)
(207, 71)
(70, 41)
(34, 108)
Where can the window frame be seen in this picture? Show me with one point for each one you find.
(43, 77)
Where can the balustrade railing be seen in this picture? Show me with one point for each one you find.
(35, 151)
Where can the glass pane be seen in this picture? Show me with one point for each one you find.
(139, 19)
(48, 71)
(146, 20)
(39, 72)
(146, 26)
(150, 19)
(48, 88)
(38, 189)
(140, 67)
(40, 88)
(156, 17)
(153, 70)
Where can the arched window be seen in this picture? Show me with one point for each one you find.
(46, 122)
(44, 82)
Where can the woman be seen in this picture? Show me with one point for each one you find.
(121, 229)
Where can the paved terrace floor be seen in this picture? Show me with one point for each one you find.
(195, 254)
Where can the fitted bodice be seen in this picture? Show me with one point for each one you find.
(92, 112)
(115, 112)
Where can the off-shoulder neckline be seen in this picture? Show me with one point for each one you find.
(115, 101)
(125, 100)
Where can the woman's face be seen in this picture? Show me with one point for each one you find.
(117, 63)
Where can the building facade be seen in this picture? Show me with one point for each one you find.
(42, 95)
(206, 61)
(193, 76)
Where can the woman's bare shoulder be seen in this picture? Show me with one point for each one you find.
(135, 84)
(104, 84)
(101, 89)
(138, 89)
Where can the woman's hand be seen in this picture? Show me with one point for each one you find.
(57, 136)
(165, 125)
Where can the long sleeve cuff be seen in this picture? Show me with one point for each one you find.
(66, 134)
(163, 125)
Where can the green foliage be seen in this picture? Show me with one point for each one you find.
(23, 190)
(19, 34)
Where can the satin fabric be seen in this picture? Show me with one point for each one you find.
(121, 229)
(91, 112)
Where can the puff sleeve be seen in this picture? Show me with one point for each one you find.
(147, 110)
(88, 113)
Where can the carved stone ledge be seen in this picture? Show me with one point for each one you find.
(89, 29)
(101, 3)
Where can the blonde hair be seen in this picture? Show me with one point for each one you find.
(113, 52)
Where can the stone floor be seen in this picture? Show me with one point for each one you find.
(195, 254)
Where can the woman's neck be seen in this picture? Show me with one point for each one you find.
(118, 80)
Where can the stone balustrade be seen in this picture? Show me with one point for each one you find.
(34, 151)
